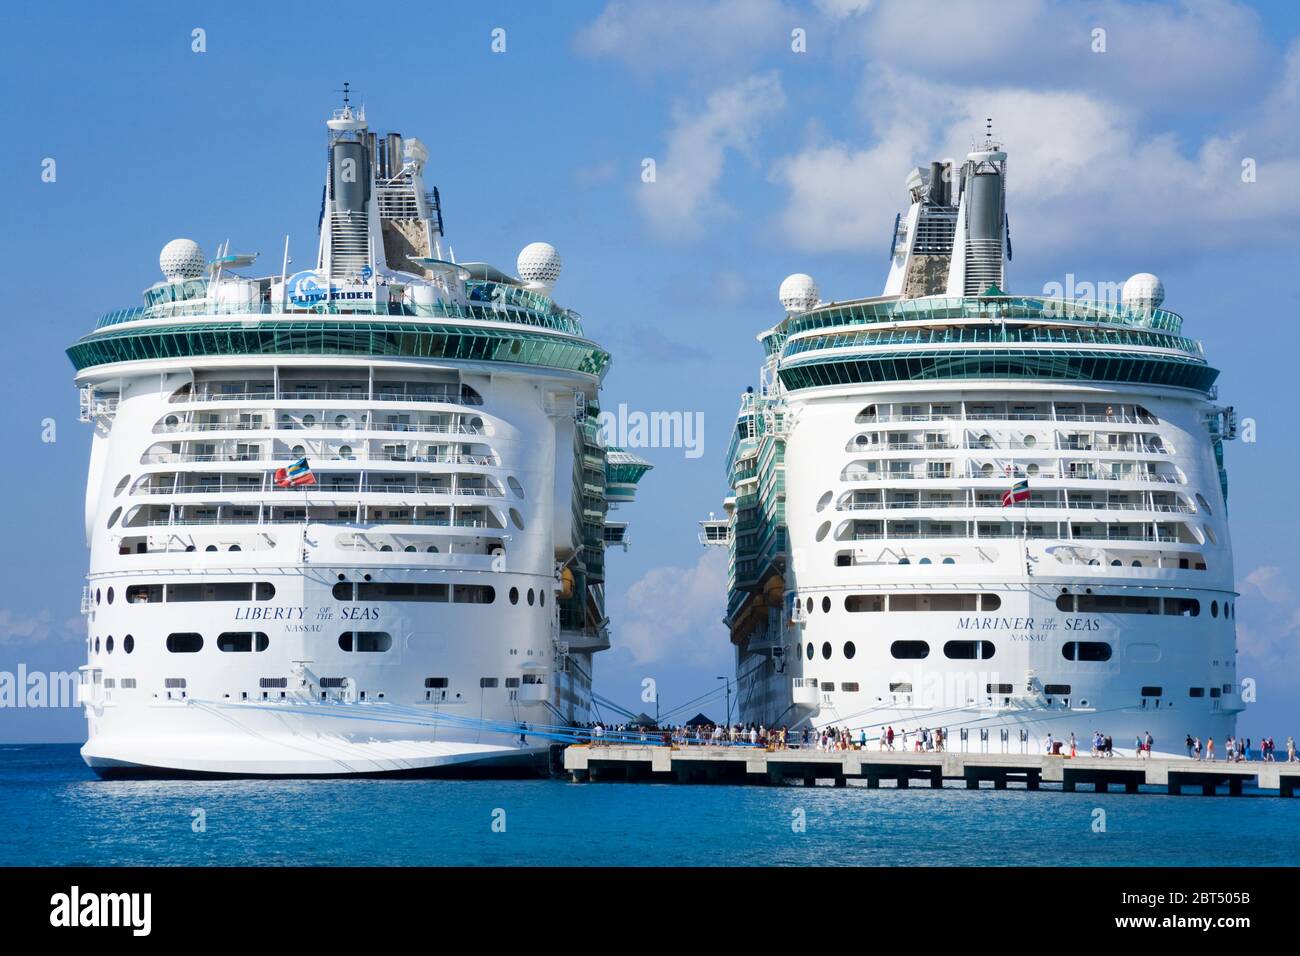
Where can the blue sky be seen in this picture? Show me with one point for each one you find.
(769, 162)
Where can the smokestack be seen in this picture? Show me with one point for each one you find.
(394, 154)
(936, 184)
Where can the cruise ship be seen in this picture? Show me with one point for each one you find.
(351, 519)
(1000, 516)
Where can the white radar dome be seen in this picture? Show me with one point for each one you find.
(1143, 291)
(181, 259)
(798, 293)
(538, 264)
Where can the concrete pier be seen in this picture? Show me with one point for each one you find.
(751, 765)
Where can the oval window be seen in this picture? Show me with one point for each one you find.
(128, 643)
(826, 602)
(110, 595)
(514, 595)
(823, 501)
(810, 651)
(826, 650)
(849, 650)
(823, 531)
(515, 486)
(112, 519)
(121, 485)
(516, 519)
(108, 644)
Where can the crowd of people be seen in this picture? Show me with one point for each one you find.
(922, 739)
(1236, 749)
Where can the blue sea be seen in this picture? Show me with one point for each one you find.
(54, 811)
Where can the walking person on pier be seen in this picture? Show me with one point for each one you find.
(1209, 749)
(1290, 750)
(1074, 745)
(1190, 744)
(889, 737)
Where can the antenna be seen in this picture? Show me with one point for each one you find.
(346, 91)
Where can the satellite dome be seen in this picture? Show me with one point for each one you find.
(538, 264)
(798, 293)
(181, 259)
(1143, 291)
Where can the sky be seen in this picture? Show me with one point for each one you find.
(1143, 137)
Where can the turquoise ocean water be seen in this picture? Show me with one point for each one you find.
(54, 811)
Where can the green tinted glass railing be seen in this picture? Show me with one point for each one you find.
(508, 310)
(306, 337)
(956, 335)
(992, 308)
(1058, 364)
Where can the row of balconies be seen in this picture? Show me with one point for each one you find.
(1074, 471)
(1112, 413)
(328, 391)
(431, 453)
(867, 443)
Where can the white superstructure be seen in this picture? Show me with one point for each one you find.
(433, 601)
(879, 581)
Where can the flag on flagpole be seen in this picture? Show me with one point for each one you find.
(1017, 492)
(296, 474)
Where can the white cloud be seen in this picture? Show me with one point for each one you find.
(1080, 169)
(1157, 55)
(675, 614)
(687, 177)
(686, 35)
(18, 628)
(842, 9)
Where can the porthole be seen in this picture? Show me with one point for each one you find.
(1030, 441)
(810, 605)
(99, 595)
(1116, 563)
(299, 450)
(365, 641)
(345, 451)
(171, 421)
(823, 530)
(924, 561)
(234, 547)
(121, 485)
(1031, 470)
(987, 442)
(112, 519)
(514, 595)
(431, 549)
(823, 501)
(810, 651)
(211, 547)
(96, 645)
(530, 597)
(1095, 651)
(108, 644)
(515, 486)
(904, 560)
(186, 643)
(849, 650)
(1137, 563)
(859, 440)
(541, 596)
(342, 421)
(409, 549)
(826, 650)
(949, 561)
(826, 603)
(109, 595)
(1214, 609)
(986, 470)
(516, 519)
(128, 644)
(968, 650)
(909, 650)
